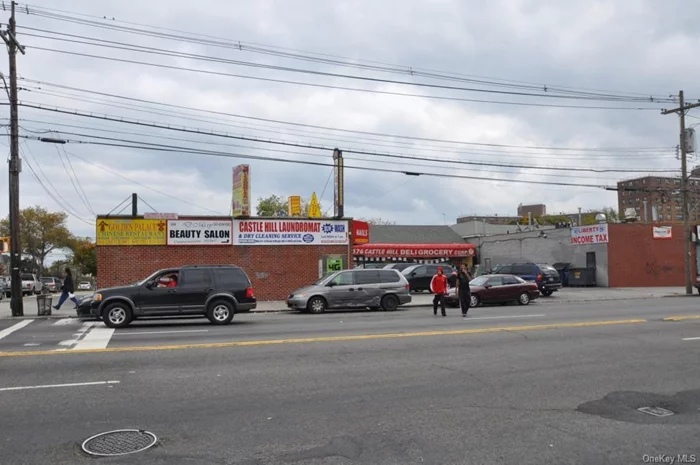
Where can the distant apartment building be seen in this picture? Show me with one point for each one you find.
(537, 210)
(658, 199)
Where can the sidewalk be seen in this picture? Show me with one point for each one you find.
(566, 295)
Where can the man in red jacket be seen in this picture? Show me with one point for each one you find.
(438, 286)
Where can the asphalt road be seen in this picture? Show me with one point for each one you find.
(539, 384)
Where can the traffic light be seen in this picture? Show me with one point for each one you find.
(4, 245)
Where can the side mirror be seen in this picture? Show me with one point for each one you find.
(150, 284)
(330, 284)
(487, 286)
(413, 274)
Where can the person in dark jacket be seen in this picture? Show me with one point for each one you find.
(438, 286)
(463, 291)
(67, 291)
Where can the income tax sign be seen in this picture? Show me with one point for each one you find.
(199, 232)
(595, 234)
(290, 232)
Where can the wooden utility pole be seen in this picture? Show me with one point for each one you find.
(15, 166)
(682, 108)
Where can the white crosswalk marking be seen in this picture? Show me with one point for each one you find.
(7, 331)
(96, 338)
(66, 321)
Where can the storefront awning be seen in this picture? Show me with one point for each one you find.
(421, 251)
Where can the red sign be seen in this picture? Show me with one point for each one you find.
(415, 250)
(360, 232)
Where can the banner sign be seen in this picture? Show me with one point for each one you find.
(130, 232)
(290, 232)
(415, 250)
(241, 190)
(294, 205)
(199, 232)
(160, 216)
(595, 234)
(360, 232)
(663, 232)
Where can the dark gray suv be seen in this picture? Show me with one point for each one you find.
(359, 288)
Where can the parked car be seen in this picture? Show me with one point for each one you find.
(30, 284)
(84, 286)
(419, 276)
(358, 288)
(52, 284)
(398, 266)
(501, 288)
(215, 291)
(5, 290)
(546, 277)
(370, 266)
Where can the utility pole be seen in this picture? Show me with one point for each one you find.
(579, 216)
(15, 166)
(682, 108)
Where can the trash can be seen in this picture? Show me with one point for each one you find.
(563, 269)
(582, 277)
(43, 302)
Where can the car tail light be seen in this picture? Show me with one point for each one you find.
(539, 277)
(249, 293)
(408, 287)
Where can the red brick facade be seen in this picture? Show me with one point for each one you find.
(636, 259)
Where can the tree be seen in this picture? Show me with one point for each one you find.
(611, 214)
(84, 255)
(41, 233)
(274, 205)
(378, 221)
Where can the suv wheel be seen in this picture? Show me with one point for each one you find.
(220, 312)
(547, 293)
(390, 303)
(117, 315)
(316, 305)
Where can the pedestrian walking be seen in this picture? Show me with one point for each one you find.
(463, 292)
(68, 291)
(438, 286)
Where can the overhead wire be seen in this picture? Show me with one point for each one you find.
(84, 200)
(317, 147)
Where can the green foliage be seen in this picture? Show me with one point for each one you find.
(274, 205)
(84, 255)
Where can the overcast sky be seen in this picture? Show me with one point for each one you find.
(634, 46)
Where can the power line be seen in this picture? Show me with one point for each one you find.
(203, 39)
(72, 38)
(188, 150)
(316, 147)
(328, 86)
(147, 204)
(395, 136)
(78, 181)
(75, 187)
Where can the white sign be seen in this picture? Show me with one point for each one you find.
(663, 232)
(199, 232)
(290, 232)
(595, 234)
(160, 216)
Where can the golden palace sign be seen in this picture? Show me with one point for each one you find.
(131, 232)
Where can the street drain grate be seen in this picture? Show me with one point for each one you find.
(119, 442)
(656, 411)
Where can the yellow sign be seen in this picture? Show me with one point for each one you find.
(4, 245)
(131, 232)
(294, 205)
(241, 191)
(314, 207)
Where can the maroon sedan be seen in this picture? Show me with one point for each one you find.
(502, 288)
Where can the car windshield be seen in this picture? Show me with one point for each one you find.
(480, 281)
(408, 270)
(46, 280)
(27, 277)
(323, 281)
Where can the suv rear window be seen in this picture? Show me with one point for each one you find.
(367, 277)
(524, 269)
(548, 270)
(232, 277)
(197, 278)
(27, 277)
(387, 276)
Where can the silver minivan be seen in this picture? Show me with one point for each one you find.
(358, 288)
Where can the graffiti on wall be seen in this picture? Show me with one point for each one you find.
(655, 269)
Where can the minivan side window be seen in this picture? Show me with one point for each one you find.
(232, 278)
(343, 279)
(388, 276)
(524, 269)
(366, 277)
(504, 269)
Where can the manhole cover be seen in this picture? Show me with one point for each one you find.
(656, 411)
(119, 442)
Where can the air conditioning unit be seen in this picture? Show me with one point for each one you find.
(631, 214)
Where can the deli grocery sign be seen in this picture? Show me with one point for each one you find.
(596, 234)
(290, 232)
(199, 232)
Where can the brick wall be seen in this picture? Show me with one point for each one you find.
(274, 270)
(636, 259)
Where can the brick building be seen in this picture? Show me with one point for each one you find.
(126, 256)
(536, 210)
(658, 199)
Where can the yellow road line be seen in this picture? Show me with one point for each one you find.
(359, 337)
(682, 318)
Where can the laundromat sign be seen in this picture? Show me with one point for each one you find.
(290, 232)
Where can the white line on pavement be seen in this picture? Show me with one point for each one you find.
(32, 344)
(97, 338)
(691, 338)
(133, 333)
(66, 321)
(502, 317)
(7, 331)
(46, 386)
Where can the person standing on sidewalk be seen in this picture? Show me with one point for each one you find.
(438, 286)
(68, 291)
(463, 292)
